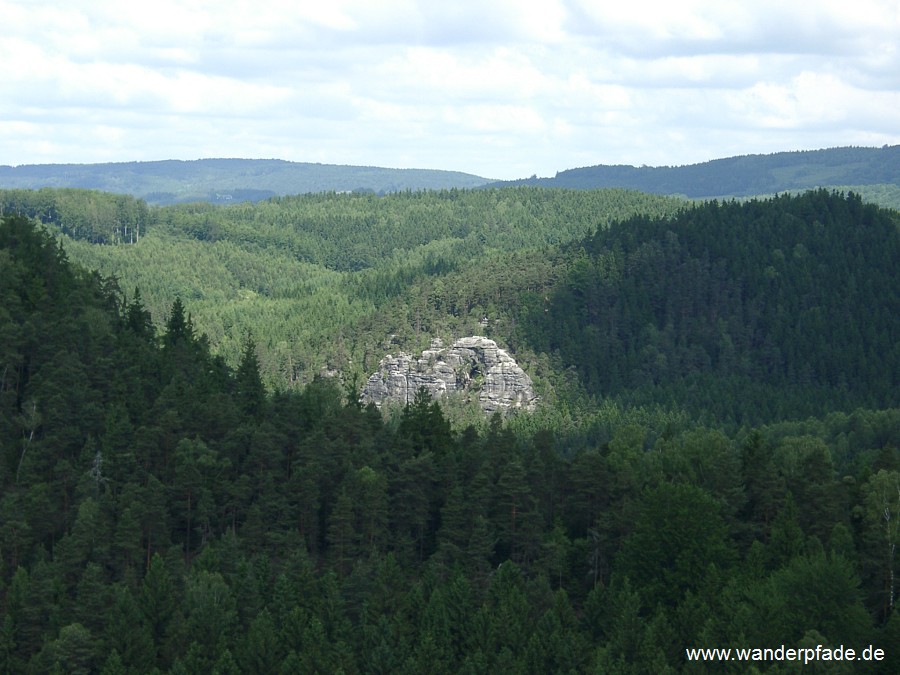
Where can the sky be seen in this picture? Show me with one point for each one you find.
(499, 89)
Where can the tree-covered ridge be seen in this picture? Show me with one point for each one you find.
(749, 311)
(331, 283)
(349, 232)
(228, 180)
(159, 512)
(324, 280)
(884, 195)
(222, 181)
(743, 176)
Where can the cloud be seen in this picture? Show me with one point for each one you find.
(499, 88)
(650, 29)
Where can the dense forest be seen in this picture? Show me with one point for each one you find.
(742, 176)
(323, 281)
(717, 463)
(744, 312)
(84, 215)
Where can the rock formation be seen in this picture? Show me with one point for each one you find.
(473, 364)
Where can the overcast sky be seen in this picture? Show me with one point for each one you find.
(499, 89)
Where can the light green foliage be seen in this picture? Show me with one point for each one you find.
(323, 280)
(170, 516)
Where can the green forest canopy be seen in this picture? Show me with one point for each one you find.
(323, 280)
(745, 311)
(161, 512)
(742, 312)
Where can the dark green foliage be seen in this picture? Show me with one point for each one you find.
(160, 510)
(811, 590)
(249, 390)
(678, 534)
(740, 312)
(73, 651)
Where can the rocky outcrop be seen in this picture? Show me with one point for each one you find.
(475, 365)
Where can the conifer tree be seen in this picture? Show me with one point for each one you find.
(249, 390)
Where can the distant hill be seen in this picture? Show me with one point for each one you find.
(742, 176)
(874, 173)
(226, 180)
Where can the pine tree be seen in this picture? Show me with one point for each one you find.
(178, 325)
(73, 651)
(249, 390)
(157, 601)
(211, 613)
(113, 665)
(342, 535)
(127, 632)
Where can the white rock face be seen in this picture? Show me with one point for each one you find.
(472, 364)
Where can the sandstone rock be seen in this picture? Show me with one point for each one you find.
(471, 364)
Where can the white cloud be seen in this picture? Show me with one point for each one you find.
(501, 88)
(502, 74)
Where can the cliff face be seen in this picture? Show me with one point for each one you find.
(473, 364)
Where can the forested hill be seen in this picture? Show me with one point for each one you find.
(160, 513)
(736, 312)
(744, 311)
(872, 172)
(745, 175)
(227, 180)
(323, 281)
